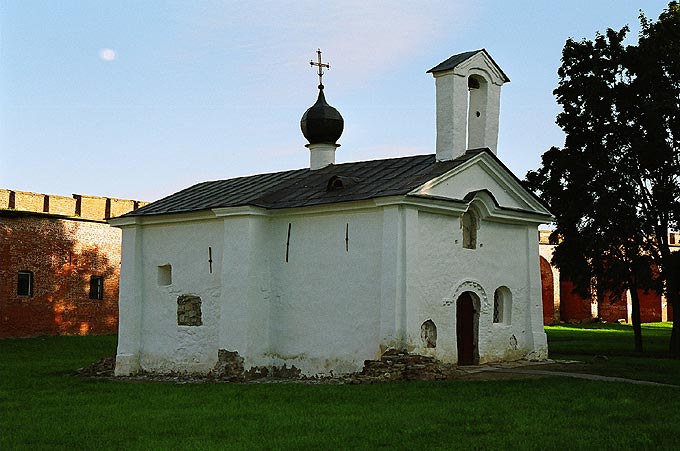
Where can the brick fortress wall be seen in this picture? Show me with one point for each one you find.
(62, 241)
(571, 307)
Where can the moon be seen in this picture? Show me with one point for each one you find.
(107, 54)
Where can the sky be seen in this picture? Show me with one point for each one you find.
(139, 99)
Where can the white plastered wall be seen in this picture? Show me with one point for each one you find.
(472, 179)
(325, 308)
(149, 337)
(357, 282)
(319, 311)
(445, 269)
(246, 281)
(506, 255)
(129, 304)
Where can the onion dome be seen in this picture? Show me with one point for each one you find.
(321, 123)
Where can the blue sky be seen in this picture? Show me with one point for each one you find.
(139, 99)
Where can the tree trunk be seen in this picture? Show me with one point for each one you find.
(635, 314)
(675, 332)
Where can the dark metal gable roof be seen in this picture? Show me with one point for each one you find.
(455, 60)
(303, 187)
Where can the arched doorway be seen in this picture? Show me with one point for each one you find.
(467, 325)
(548, 292)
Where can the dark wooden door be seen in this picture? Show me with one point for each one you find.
(465, 330)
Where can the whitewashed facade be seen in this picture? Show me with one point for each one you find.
(324, 287)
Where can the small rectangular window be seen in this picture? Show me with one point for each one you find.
(25, 283)
(96, 287)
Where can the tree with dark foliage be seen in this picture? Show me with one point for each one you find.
(614, 187)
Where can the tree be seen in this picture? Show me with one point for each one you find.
(614, 187)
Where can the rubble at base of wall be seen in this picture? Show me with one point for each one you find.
(393, 366)
(229, 367)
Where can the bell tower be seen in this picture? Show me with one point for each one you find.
(468, 90)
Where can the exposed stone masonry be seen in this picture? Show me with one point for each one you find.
(393, 366)
(189, 311)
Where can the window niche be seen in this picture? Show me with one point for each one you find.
(502, 305)
(189, 310)
(97, 287)
(428, 334)
(25, 283)
(164, 275)
(470, 224)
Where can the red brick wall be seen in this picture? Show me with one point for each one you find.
(548, 292)
(572, 306)
(613, 309)
(62, 254)
(650, 307)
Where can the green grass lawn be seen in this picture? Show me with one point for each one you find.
(43, 405)
(589, 342)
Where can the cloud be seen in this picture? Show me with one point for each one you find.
(373, 37)
(107, 54)
(361, 40)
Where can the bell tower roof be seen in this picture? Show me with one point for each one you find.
(460, 58)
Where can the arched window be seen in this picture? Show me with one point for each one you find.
(470, 224)
(502, 305)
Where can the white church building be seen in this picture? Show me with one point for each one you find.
(324, 267)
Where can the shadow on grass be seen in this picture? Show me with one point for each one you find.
(609, 350)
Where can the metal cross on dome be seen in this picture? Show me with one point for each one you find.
(320, 65)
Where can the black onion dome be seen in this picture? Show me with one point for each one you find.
(321, 123)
